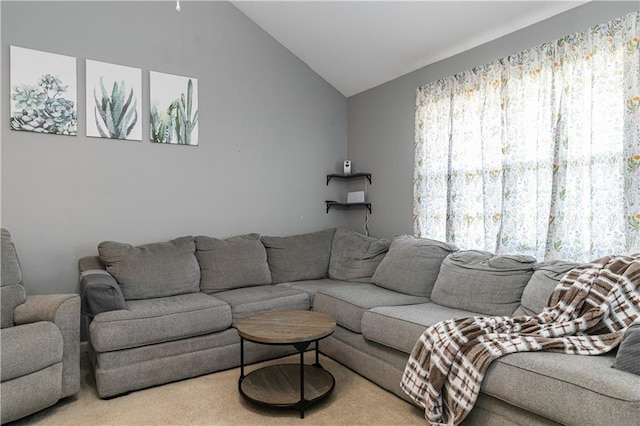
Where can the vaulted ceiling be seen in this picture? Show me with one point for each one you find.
(357, 45)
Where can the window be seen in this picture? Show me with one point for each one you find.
(537, 153)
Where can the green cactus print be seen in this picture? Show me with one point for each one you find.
(177, 122)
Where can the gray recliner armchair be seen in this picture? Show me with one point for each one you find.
(39, 343)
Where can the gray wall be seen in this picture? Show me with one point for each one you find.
(381, 120)
(270, 129)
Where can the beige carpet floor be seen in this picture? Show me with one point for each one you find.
(214, 400)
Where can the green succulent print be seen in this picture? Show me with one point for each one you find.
(42, 109)
(115, 112)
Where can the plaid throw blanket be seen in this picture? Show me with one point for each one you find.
(587, 314)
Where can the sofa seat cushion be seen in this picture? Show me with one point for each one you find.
(569, 389)
(348, 303)
(29, 348)
(400, 327)
(162, 319)
(232, 263)
(249, 300)
(311, 287)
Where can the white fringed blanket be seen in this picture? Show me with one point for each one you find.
(587, 314)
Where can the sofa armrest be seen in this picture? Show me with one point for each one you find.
(64, 311)
(100, 293)
(44, 307)
(99, 290)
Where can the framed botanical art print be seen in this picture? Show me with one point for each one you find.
(174, 109)
(114, 94)
(43, 92)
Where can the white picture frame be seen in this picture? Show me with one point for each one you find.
(43, 90)
(173, 109)
(113, 101)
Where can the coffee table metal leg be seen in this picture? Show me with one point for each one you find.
(241, 358)
(302, 404)
(302, 384)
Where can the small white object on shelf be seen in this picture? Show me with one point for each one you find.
(355, 197)
(347, 167)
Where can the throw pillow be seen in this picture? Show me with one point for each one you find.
(628, 357)
(355, 257)
(299, 257)
(153, 270)
(482, 282)
(231, 263)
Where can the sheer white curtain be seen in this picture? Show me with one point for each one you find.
(537, 153)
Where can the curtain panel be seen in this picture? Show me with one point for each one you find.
(537, 153)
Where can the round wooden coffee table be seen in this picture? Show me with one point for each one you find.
(295, 386)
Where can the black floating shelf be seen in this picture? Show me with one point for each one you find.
(349, 176)
(335, 203)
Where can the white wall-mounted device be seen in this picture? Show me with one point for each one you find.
(347, 167)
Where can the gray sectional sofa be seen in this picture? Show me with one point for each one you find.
(166, 311)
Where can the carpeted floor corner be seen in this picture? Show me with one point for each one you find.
(214, 400)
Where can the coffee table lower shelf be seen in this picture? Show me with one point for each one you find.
(279, 386)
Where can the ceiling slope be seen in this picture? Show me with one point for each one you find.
(357, 45)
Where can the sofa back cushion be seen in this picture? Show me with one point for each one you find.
(546, 277)
(482, 282)
(412, 265)
(11, 273)
(299, 257)
(231, 263)
(355, 257)
(153, 270)
(13, 292)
